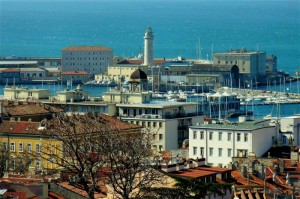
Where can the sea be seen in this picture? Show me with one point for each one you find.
(42, 28)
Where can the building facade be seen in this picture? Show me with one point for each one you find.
(219, 142)
(251, 64)
(92, 59)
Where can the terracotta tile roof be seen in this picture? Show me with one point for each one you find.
(28, 109)
(75, 73)
(18, 195)
(21, 180)
(15, 127)
(192, 173)
(215, 169)
(52, 195)
(9, 70)
(81, 192)
(120, 124)
(87, 48)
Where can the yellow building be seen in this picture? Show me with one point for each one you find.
(25, 145)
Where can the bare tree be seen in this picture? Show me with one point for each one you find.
(129, 161)
(4, 157)
(93, 146)
(79, 135)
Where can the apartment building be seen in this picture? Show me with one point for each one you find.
(219, 142)
(92, 59)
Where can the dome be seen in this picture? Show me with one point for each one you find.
(138, 74)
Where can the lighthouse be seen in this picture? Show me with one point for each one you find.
(148, 47)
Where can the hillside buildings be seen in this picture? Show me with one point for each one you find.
(92, 59)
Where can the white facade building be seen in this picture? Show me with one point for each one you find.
(148, 47)
(92, 59)
(218, 143)
(290, 130)
(168, 121)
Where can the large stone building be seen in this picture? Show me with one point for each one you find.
(251, 64)
(92, 59)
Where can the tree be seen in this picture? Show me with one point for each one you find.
(4, 157)
(129, 161)
(189, 188)
(95, 148)
(79, 136)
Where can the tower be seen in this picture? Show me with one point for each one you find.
(148, 47)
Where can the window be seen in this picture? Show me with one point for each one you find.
(160, 124)
(210, 135)
(238, 137)
(229, 136)
(38, 148)
(220, 152)
(160, 147)
(194, 150)
(4, 146)
(201, 135)
(20, 147)
(246, 137)
(211, 151)
(194, 135)
(12, 146)
(220, 136)
(202, 151)
(154, 124)
(229, 152)
(160, 136)
(38, 165)
(12, 164)
(29, 149)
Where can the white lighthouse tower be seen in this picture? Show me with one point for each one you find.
(148, 47)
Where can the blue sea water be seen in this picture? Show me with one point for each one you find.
(44, 27)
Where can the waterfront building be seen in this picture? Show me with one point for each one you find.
(92, 59)
(32, 73)
(168, 121)
(25, 93)
(271, 64)
(251, 64)
(76, 77)
(10, 75)
(148, 47)
(218, 142)
(18, 63)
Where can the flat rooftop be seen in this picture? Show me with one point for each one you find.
(158, 104)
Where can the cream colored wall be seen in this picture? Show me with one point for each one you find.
(25, 93)
(113, 72)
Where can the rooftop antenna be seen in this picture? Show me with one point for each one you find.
(257, 47)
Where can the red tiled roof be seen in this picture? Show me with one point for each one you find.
(75, 73)
(79, 191)
(28, 109)
(9, 70)
(87, 48)
(52, 195)
(192, 173)
(18, 195)
(215, 169)
(118, 123)
(19, 127)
